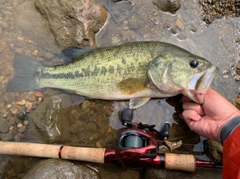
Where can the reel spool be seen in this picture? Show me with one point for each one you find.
(133, 142)
(131, 139)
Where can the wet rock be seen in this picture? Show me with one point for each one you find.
(200, 173)
(55, 169)
(168, 5)
(51, 118)
(73, 22)
(213, 150)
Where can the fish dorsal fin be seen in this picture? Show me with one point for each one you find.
(137, 102)
(75, 52)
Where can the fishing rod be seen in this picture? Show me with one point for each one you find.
(136, 147)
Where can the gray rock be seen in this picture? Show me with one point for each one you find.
(72, 22)
(59, 169)
(30, 22)
(167, 5)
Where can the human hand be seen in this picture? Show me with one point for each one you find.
(207, 119)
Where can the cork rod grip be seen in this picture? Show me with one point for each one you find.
(183, 162)
(53, 151)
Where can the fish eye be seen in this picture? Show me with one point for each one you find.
(193, 63)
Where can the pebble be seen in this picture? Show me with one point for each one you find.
(11, 128)
(38, 94)
(98, 145)
(173, 31)
(9, 106)
(21, 103)
(225, 72)
(25, 122)
(238, 100)
(20, 38)
(225, 76)
(21, 129)
(85, 105)
(21, 114)
(14, 110)
(179, 24)
(238, 66)
(11, 121)
(181, 37)
(32, 98)
(17, 138)
(6, 137)
(29, 106)
(4, 127)
(193, 29)
(48, 56)
(40, 99)
(237, 78)
(19, 125)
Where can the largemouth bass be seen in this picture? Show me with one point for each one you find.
(137, 71)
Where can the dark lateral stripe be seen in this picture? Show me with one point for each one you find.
(69, 75)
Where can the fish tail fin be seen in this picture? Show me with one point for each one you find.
(26, 75)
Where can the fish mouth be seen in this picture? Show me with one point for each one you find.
(200, 84)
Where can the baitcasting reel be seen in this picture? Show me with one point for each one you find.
(137, 145)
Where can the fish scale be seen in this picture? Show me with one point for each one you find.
(91, 82)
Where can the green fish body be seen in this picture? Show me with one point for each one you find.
(137, 71)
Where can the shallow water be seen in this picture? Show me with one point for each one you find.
(215, 42)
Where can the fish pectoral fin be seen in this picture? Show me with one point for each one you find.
(137, 102)
(75, 52)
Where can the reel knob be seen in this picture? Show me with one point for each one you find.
(165, 131)
(126, 116)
